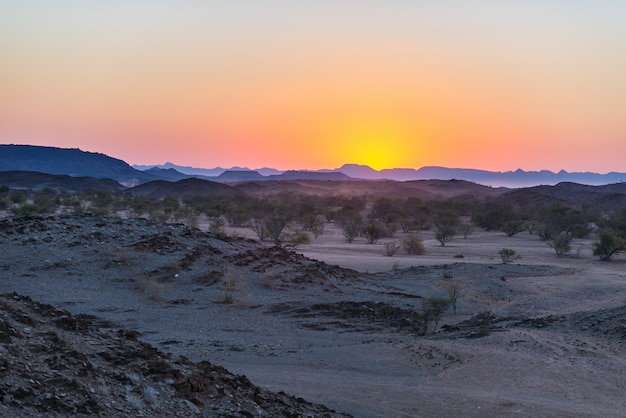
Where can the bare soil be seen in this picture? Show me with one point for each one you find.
(338, 324)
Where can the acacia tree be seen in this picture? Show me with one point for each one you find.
(272, 217)
(351, 229)
(513, 227)
(491, 215)
(351, 222)
(466, 229)
(561, 243)
(446, 225)
(612, 238)
(373, 232)
(432, 309)
(608, 245)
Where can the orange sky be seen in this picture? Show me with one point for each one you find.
(311, 84)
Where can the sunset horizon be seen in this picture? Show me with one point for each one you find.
(533, 86)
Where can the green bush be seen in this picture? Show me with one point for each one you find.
(507, 255)
(608, 245)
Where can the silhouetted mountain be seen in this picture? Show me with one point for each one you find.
(456, 190)
(69, 161)
(239, 175)
(207, 172)
(37, 181)
(607, 197)
(518, 178)
(167, 174)
(182, 188)
(310, 175)
(74, 162)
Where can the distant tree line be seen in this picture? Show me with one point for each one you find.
(292, 218)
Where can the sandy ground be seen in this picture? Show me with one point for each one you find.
(568, 366)
(518, 372)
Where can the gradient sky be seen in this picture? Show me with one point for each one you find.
(293, 84)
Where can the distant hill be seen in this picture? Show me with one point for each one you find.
(208, 172)
(310, 175)
(607, 197)
(239, 175)
(76, 163)
(166, 174)
(511, 179)
(69, 161)
(518, 178)
(37, 181)
(182, 188)
(456, 190)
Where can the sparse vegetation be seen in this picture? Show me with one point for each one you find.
(413, 244)
(234, 289)
(391, 248)
(466, 229)
(608, 245)
(297, 238)
(454, 290)
(513, 227)
(432, 309)
(508, 255)
(561, 243)
(372, 233)
(446, 225)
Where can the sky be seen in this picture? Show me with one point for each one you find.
(313, 84)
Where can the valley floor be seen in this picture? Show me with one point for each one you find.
(542, 336)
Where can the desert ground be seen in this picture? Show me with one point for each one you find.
(335, 323)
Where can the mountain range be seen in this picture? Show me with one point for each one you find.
(512, 179)
(74, 162)
(31, 167)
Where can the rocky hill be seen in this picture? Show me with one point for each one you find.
(72, 162)
(37, 181)
(56, 364)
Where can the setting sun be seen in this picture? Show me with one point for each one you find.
(377, 143)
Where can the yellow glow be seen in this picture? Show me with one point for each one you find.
(378, 143)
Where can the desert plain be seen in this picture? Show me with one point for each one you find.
(336, 323)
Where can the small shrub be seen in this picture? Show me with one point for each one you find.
(608, 245)
(432, 309)
(413, 245)
(18, 197)
(445, 235)
(373, 233)
(216, 226)
(507, 255)
(561, 243)
(351, 230)
(234, 285)
(454, 290)
(271, 281)
(297, 238)
(391, 248)
(28, 209)
(231, 282)
(466, 230)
